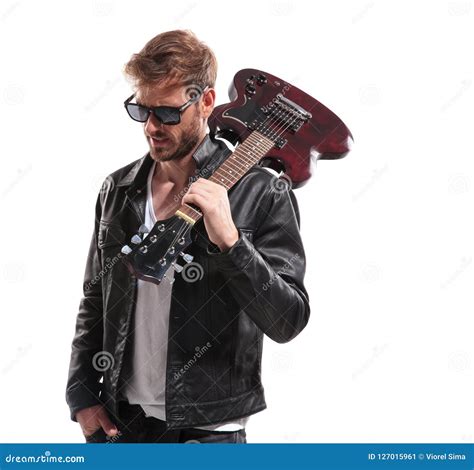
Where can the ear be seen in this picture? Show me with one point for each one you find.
(207, 102)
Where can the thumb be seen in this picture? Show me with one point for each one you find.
(107, 425)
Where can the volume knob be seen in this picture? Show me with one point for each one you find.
(261, 79)
(250, 89)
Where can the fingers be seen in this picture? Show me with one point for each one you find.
(208, 186)
(109, 428)
(198, 199)
(88, 419)
(199, 189)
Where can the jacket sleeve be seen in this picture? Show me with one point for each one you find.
(83, 386)
(266, 274)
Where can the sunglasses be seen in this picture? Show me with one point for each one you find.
(168, 115)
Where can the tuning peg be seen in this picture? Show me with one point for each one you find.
(177, 267)
(126, 250)
(143, 229)
(136, 239)
(186, 257)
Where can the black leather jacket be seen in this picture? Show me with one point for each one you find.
(254, 288)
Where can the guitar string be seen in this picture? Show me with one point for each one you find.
(273, 132)
(277, 131)
(270, 132)
(270, 117)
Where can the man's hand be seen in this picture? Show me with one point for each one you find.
(93, 418)
(213, 200)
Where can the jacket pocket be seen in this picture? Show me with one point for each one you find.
(110, 241)
(110, 235)
(248, 232)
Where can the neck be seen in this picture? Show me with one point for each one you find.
(177, 172)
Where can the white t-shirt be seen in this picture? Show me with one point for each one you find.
(147, 383)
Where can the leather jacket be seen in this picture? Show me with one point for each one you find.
(253, 288)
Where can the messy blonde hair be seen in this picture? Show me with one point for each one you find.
(173, 56)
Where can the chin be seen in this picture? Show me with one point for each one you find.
(159, 156)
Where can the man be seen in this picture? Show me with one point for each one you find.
(180, 361)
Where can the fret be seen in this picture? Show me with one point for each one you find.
(243, 157)
(217, 178)
(232, 170)
(246, 155)
(229, 170)
(228, 162)
(220, 175)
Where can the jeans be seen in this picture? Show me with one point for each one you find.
(135, 427)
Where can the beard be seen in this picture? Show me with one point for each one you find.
(178, 148)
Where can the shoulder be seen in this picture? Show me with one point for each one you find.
(265, 181)
(121, 173)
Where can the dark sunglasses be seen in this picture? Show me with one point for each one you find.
(168, 115)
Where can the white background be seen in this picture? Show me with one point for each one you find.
(388, 353)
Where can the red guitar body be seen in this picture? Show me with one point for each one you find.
(255, 95)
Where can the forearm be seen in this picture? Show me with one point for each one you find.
(83, 386)
(272, 298)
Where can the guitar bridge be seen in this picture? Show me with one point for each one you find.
(295, 108)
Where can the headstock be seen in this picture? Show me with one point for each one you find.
(154, 251)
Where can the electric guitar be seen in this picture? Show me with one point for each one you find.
(276, 123)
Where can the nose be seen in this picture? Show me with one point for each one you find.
(153, 124)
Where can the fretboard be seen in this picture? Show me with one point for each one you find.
(246, 155)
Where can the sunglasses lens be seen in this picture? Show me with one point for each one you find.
(168, 115)
(137, 112)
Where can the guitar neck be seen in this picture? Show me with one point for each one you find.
(246, 155)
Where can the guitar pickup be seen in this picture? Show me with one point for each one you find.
(280, 143)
